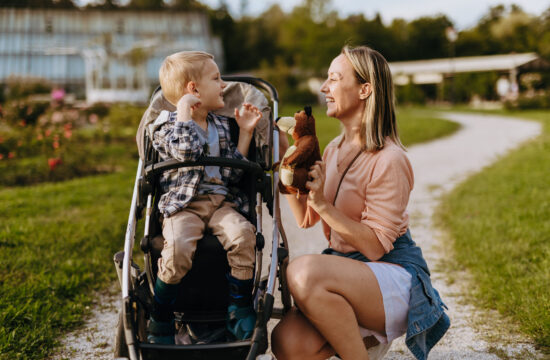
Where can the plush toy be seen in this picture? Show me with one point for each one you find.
(298, 159)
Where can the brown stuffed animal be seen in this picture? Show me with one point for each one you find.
(302, 155)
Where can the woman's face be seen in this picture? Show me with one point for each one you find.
(342, 90)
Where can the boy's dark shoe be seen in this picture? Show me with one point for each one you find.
(161, 332)
(241, 316)
(241, 321)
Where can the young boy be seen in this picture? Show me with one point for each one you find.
(196, 198)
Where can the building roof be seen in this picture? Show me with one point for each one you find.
(432, 70)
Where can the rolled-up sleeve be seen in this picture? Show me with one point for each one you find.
(387, 196)
(311, 218)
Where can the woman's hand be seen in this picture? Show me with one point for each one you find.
(316, 197)
(247, 117)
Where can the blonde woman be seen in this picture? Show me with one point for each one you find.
(371, 285)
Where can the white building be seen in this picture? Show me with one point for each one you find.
(116, 53)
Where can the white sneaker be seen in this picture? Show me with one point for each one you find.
(379, 351)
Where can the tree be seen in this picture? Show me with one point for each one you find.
(146, 4)
(427, 38)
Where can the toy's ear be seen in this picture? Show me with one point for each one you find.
(308, 110)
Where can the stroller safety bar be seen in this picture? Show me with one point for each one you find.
(155, 169)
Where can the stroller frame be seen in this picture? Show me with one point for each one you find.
(137, 285)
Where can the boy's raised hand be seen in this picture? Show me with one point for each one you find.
(247, 117)
(187, 104)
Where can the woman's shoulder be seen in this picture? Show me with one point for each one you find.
(392, 156)
(392, 151)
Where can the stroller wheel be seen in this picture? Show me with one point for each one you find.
(121, 349)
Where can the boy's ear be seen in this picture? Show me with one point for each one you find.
(191, 88)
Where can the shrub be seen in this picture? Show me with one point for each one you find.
(410, 94)
(64, 143)
(22, 87)
(524, 102)
(24, 112)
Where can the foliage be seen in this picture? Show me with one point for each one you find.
(410, 94)
(497, 222)
(530, 101)
(63, 143)
(464, 86)
(20, 88)
(289, 85)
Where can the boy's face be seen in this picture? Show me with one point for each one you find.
(210, 87)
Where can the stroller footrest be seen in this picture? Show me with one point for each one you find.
(230, 351)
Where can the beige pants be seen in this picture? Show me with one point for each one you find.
(182, 230)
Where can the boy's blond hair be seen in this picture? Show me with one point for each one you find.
(178, 69)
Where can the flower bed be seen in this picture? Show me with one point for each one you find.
(42, 141)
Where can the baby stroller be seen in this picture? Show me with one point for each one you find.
(202, 307)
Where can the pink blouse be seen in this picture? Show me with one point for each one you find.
(375, 191)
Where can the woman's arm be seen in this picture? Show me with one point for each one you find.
(359, 235)
(355, 233)
(298, 207)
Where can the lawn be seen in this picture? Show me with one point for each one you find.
(499, 224)
(57, 242)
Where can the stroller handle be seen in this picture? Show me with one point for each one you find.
(261, 83)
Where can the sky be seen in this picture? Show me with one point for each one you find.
(463, 13)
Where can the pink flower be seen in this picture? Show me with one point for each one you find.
(22, 123)
(93, 118)
(54, 162)
(48, 132)
(11, 155)
(1, 156)
(68, 134)
(55, 144)
(57, 117)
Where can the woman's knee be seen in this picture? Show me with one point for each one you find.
(294, 339)
(304, 274)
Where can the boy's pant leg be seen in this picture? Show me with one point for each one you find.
(181, 232)
(238, 237)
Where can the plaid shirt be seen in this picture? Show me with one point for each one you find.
(179, 140)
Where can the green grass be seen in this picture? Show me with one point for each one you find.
(499, 224)
(57, 241)
(415, 125)
(56, 245)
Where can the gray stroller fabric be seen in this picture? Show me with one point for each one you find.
(234, 94)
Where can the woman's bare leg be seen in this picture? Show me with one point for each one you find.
(337, 294)
(295, 338)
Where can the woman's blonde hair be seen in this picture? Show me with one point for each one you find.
(378, 120)
(178, 69)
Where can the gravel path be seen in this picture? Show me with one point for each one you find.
(438, 167)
